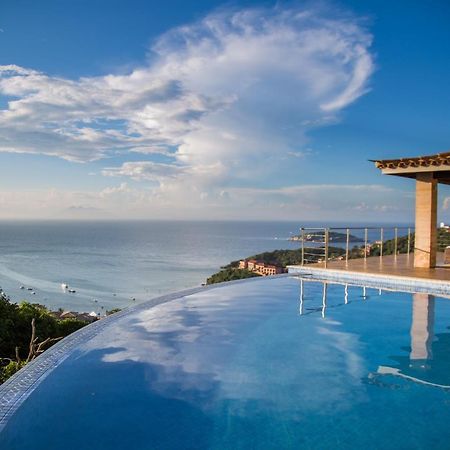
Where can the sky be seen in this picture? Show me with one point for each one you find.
(114, 109)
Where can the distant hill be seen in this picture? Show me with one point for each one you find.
(283, 258)
(280, 258)
(230, 274)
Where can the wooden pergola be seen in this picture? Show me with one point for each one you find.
(428, 171)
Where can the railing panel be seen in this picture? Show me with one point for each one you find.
(316, 242)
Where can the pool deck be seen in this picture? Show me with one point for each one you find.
(394, 272)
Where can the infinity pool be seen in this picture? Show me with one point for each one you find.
(277, 363)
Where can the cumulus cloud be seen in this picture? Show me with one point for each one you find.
(223, 89)
(144, 170)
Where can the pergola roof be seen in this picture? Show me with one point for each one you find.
(438, 164)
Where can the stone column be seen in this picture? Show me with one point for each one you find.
(426, 221)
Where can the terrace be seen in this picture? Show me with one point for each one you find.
(423, 258)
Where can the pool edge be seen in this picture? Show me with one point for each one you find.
(381, 281)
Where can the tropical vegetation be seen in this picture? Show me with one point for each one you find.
(26, 330)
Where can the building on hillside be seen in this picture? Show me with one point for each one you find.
(260, 267)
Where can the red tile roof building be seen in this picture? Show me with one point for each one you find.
(260, 267)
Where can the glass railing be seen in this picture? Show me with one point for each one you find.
(321, 245)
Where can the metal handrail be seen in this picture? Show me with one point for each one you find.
(324, 232)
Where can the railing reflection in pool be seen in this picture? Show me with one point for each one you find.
(303, 310)
(428, 357)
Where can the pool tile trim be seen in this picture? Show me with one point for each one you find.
(375, 280)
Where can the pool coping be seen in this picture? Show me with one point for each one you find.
(375, 280)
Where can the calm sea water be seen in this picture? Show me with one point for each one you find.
(113, 262)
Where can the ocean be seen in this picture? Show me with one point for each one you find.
(109, 264)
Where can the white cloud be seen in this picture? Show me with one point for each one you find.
(225, 100)
(144, 170)
(224, 85)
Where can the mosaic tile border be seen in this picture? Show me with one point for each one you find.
(380, 281)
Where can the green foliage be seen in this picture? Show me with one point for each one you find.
(8, 313)
(230, 274)
(113, 311)
(15, 331)
(68, 326)
(280, 258)
(443, 240)
(389, 246)
(10, 369)
(283, 258)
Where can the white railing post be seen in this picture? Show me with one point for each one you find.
(395, 241)
(365, 243)
(409, 241)
(347, 246)
(326, 246)
(381, 243)
(303, 245)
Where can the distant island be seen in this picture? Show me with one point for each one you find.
(333, 236)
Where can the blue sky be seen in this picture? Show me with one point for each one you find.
(212, 110)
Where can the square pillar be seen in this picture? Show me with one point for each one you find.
(426, 221)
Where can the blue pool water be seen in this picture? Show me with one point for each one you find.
(261, 364)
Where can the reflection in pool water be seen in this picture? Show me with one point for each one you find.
(273, 363)
(421, 366)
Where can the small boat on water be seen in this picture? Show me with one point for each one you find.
(22, 287)
(64, 286)
(72, 291)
